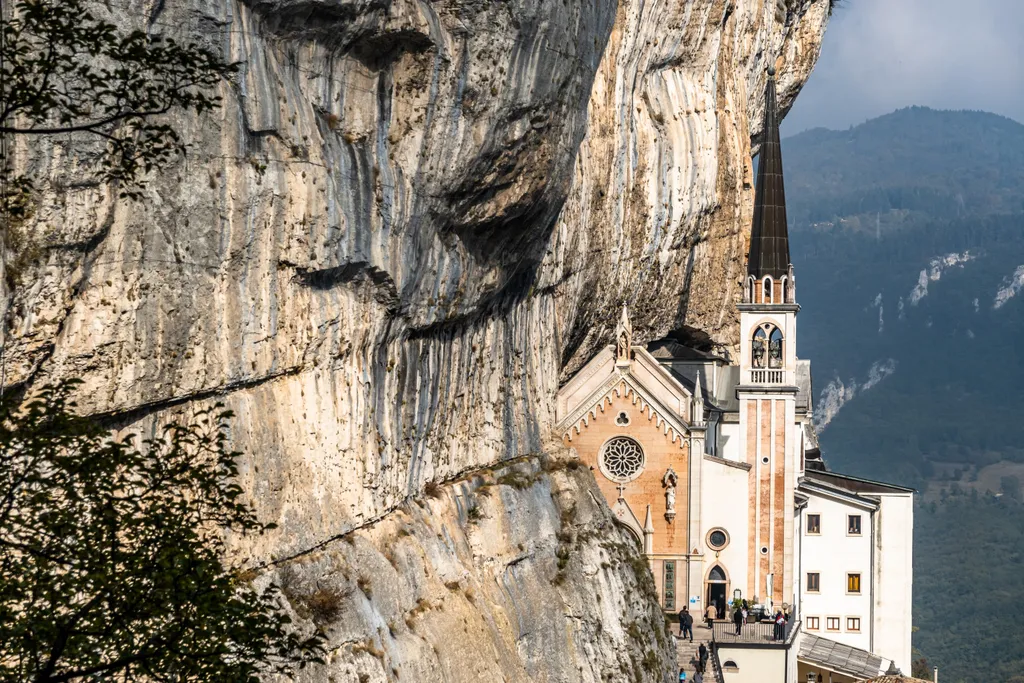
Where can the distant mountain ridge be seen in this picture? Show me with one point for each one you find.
(907, 237)
(915, 161)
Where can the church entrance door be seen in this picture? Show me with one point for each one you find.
(716, 597)
(716, 590)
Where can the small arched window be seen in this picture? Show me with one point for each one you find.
(766, 349)
(767, 289)
(785, 286)
(716, 574)
(775, 349)
(759, 348)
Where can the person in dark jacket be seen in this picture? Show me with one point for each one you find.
(779, 631)
(702, 657)
(685, 623)
(737, 618)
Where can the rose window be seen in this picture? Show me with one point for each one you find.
(622, 459)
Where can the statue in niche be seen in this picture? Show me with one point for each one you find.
(669, 481)
(623, 337)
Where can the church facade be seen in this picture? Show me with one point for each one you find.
(711, 462)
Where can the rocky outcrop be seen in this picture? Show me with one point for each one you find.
(406, 223)
(516, 574)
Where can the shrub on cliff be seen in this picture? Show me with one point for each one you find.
(112, 555)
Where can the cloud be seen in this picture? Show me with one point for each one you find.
(880, 55)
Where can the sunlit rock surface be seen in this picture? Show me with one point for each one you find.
(527, 580)
(408, 221)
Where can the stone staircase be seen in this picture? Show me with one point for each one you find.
(687, 651)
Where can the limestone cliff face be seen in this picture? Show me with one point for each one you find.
(407, 222)
(518, 574)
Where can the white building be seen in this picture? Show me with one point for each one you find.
(717, 456)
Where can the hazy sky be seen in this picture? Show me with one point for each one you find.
(880, 55)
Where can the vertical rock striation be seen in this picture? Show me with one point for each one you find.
(407, 222)
(520, 574)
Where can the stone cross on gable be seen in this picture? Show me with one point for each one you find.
(621, 487)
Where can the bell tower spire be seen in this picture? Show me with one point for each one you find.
(769, 434)
(769, 238)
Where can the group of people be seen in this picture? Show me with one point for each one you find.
(740, 614)
(699, 663)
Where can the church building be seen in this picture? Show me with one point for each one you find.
(711, 462)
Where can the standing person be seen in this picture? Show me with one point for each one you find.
(682, 674)
(685, 623)
(698, 677)
(780, 626)
(710, 613)
(745, 613)
(702, 655)
(737, 618)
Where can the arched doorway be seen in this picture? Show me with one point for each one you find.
(716, 589)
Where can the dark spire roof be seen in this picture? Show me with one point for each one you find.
(769, 238)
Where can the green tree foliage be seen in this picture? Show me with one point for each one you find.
(64, 70)
(968, 559)
(920, 668)
(1010, 485)
(111, 555)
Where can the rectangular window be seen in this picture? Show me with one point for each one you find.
(669, 576)
(814, 524)
(853, 624)
(832, 623)
(853, 525)
(813, 623)
(813, 582)
(853, 583)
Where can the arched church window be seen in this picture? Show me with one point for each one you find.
(775, 349)
(621, 459)
(759, 348)
(716, 574)
(767, 290)
(766, 347)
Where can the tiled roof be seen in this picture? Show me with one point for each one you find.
(829, 654)
(857, 484)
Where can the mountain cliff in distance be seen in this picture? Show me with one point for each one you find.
(908, 240)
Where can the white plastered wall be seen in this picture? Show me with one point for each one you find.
(756, 665)
(833, 554)
(894, 578)
(724, 492)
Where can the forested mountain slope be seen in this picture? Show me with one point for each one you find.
(908, 239)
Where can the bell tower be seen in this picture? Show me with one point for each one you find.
(767, 387)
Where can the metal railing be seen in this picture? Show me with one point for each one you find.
(765, 632)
